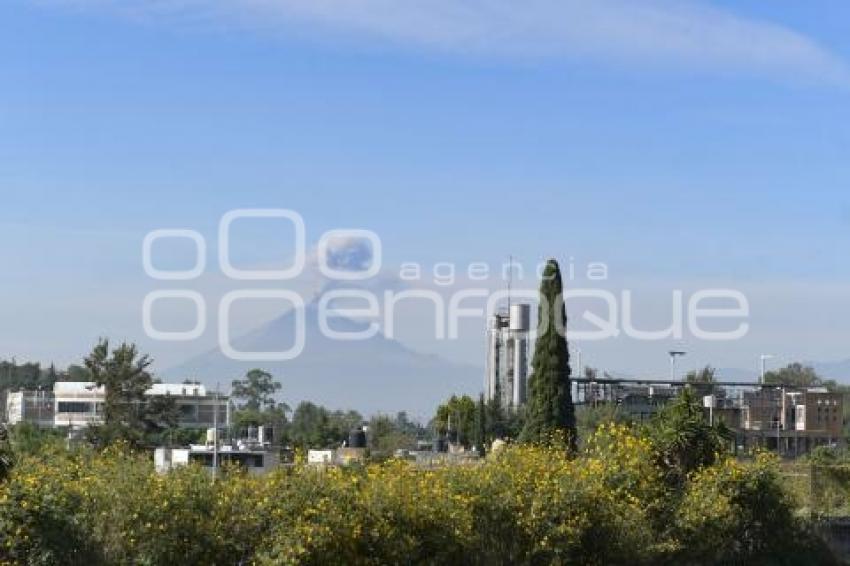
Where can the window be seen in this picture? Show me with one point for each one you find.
(187, 412)
(204, 459)
(74, 407)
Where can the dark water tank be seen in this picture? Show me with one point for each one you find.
(357, 438)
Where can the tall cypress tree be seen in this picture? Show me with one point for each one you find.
(550, 407)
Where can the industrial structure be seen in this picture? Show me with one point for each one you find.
(78, 404)
(507, 356)
(790, 420)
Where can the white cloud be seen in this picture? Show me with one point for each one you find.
(681, 32)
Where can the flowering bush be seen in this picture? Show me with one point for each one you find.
(610, 504)
(733, 512)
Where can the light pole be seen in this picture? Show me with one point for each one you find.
(673, 355)
(762, 358)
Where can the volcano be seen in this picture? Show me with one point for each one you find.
(375, 375)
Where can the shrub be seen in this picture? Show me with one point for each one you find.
(732, 512)
(610, 504)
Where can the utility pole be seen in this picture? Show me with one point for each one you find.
(762, 358)
(215, 434)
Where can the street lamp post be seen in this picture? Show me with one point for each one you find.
(673, 355)
(762, 359)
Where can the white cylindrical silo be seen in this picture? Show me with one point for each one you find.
(520, 317)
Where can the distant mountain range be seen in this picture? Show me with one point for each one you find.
(373, 375)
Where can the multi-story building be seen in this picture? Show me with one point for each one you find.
(791, 421)
(507, 356)
(77, 404)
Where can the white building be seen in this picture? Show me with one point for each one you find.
(253, 454)
(507, 356)
(77, 404)
(255, 460)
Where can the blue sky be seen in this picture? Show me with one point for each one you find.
(683, 144)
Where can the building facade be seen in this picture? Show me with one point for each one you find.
(792, 421)
(78, 404)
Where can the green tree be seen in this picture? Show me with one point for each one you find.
(798, 375)
(550, 408)
(161, 414)
(76, 373)
(256, 390)
(257, 405)
(387, 434)
(496, 421)
(703, 381)
(127, 412)
(456, 418)
(684, 440)
(313, 426)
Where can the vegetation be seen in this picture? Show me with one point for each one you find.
(462, 421)
(526, 504)
(31, 376)
(663, 493)
(314, 426)
(797, 374)
(684, 442)
(256, 403)
(550, 406)
(590, 417)
(388, 434)
(703, 381)
(127, 415)
(6, 457)
(456, 419)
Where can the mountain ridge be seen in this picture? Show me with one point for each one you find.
(375, 375)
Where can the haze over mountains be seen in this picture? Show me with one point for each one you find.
(372, 375)
(376, 374)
